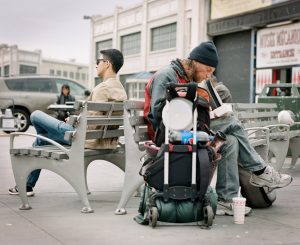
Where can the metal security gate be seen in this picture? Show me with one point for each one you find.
(235, 64)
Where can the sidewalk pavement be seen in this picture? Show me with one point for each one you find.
(56, 217)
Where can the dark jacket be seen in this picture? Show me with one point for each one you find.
(61, 99)
(155, 90)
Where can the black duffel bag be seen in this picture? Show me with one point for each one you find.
(180, 168)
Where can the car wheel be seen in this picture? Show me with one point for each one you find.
(22, 120)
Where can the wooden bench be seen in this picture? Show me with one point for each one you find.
(281, 136)
(71, 162)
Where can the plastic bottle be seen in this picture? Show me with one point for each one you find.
(186, 137)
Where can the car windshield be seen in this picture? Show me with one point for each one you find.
(278, 91)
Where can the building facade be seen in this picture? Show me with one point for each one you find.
(18, 62)
(67, 69)
(15, 62)
(258, 42)
(149, 34)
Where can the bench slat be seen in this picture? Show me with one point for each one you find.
(141, 137)
(56, 153)
(99, 134)
(137, 121)
(96, 134)
(59, 155)
(134, 105)
(35, 151)
(258, 124)
(247, 106)
(24, 151)
(105, 121)
(256, 115)
(99, 106)
(105, 106)
(48, 151)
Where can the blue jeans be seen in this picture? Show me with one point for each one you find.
(51, 128)
(237, 149)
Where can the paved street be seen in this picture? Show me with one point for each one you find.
(56, 217)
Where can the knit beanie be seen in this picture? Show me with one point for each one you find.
(205, 53)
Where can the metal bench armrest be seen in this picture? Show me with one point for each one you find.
(13, 135)
(254, 130)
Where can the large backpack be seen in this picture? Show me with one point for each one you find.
(202, 104)
(184, 195)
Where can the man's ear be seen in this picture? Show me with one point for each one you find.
(108, 64)
(210, 70)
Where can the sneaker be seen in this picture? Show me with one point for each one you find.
(14, 191)
(270, 178)
(226, 208)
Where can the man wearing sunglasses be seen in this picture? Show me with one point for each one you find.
(110, 89)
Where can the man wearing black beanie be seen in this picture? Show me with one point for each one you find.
(199, 66)
(205, 53)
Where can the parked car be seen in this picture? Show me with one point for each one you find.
(30, 93)
(285, 95)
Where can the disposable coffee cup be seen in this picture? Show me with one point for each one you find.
(239, 205)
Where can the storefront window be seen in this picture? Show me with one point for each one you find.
(131, 44)
(137, 90)
(163, 37)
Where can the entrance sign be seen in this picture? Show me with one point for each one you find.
(278, 46)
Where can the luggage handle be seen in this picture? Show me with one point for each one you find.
(167, 149)
(166, 152)
(182, 85)
(191, 93)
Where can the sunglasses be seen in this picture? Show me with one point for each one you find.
(99, 60)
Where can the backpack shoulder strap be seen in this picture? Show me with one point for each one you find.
(204, 171)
